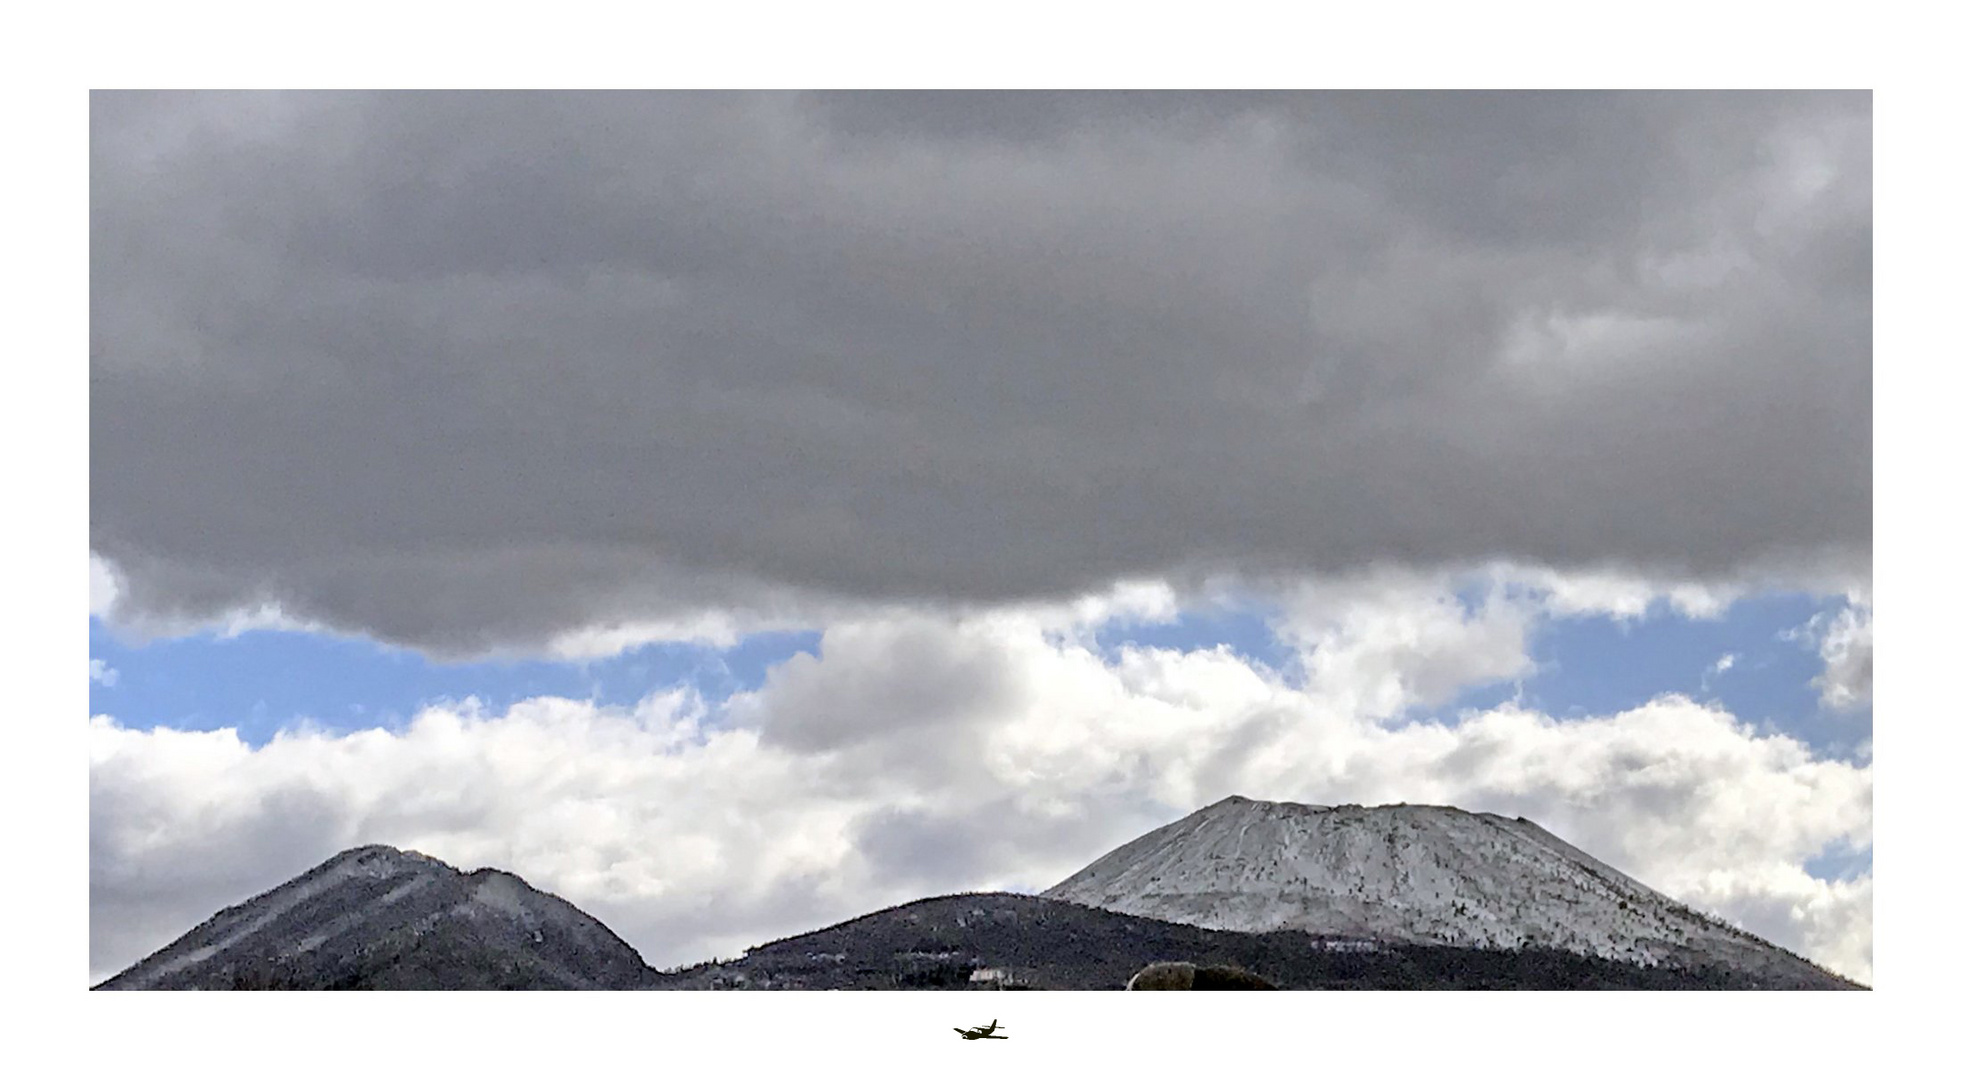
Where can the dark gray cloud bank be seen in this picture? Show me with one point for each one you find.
(471, 370)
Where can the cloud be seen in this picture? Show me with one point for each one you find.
(921, 752)
(1625, 595)
(473, 372)
(721, 629)
(1847, 649)
(1390, 642)
(101, 672)
(1845, 645)
(102, 587)
(1717, 668)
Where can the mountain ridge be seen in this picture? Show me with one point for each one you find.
(1525, 910)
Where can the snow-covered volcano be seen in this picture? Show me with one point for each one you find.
(1430, 875)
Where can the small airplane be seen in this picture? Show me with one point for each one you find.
(981, 1032)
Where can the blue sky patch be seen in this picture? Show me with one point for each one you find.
(262, 680)
(1597, 665)
(1245, 630)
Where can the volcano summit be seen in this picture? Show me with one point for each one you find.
(1419, 875)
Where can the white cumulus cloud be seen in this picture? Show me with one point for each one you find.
(922, 752)
(1845, 646)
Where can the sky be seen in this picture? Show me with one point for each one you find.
(738, 512)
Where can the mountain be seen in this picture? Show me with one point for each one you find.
(1308, 897)
(1413, 875)
(375, 918)
(1012, 941)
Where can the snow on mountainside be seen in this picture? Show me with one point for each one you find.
(1430, 875)
(1313, 896)
(375, 917)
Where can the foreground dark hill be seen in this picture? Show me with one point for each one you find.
(1414, 875)
(1011, 941)
(374, 918)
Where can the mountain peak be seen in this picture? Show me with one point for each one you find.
(384, 855)
(1384, 812)
(1416, 874)
(378, 917)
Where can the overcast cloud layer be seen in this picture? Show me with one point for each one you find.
(484, 371)
(922, 754)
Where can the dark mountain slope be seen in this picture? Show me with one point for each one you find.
(1038, 943)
